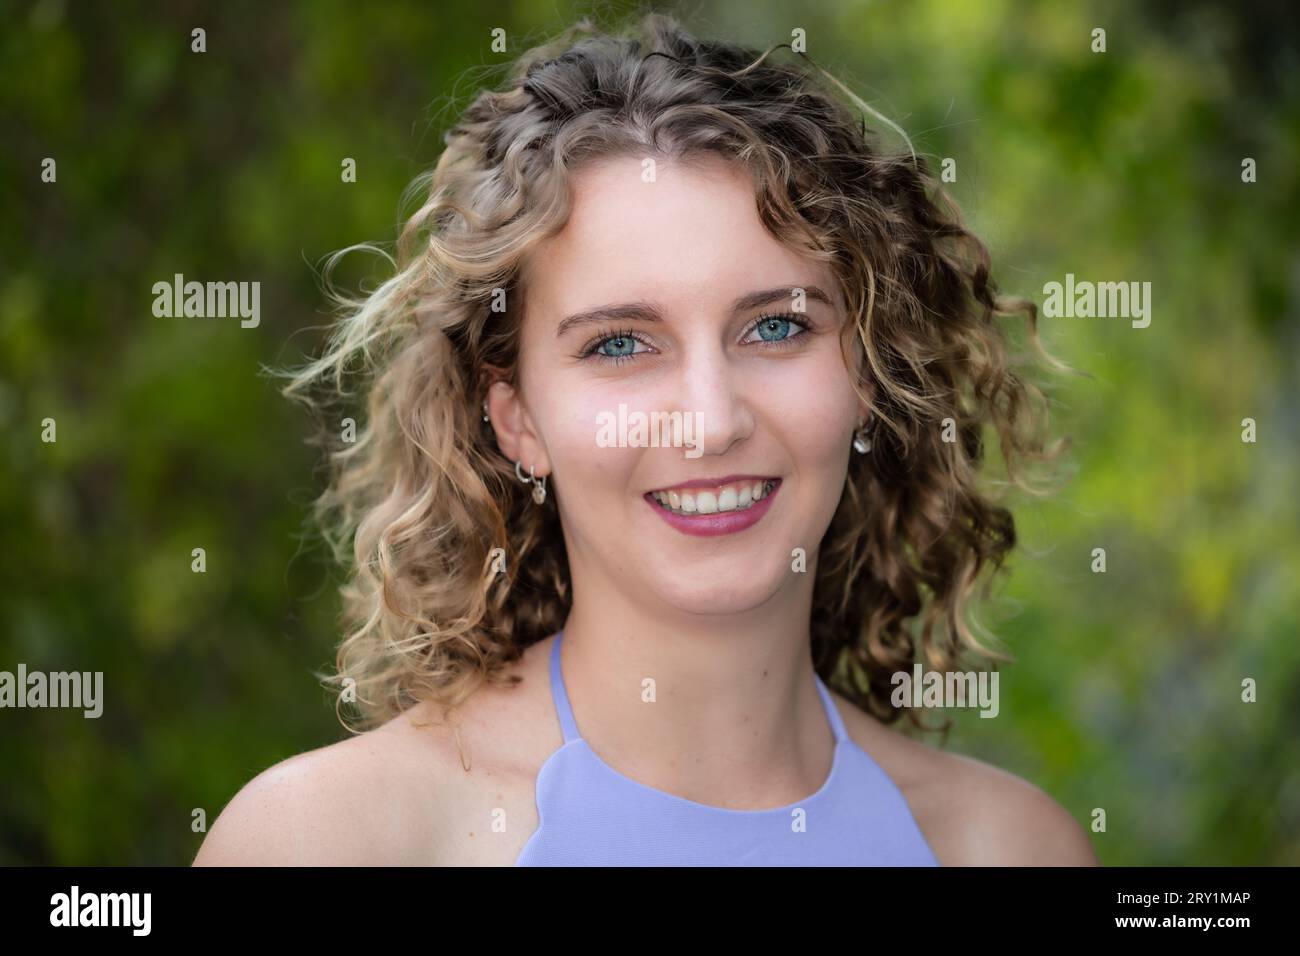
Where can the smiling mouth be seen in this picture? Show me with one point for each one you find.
(731, 497)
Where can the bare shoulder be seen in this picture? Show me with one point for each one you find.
(345, 804)
(419, 790)
(970, 812)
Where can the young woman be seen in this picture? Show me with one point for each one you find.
(574, 640)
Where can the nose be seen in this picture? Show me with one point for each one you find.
(711, 389)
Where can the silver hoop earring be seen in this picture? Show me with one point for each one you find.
(861, 443)
(539, 484)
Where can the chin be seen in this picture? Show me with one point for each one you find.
(705, 600)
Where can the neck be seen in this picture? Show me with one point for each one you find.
(722, 710)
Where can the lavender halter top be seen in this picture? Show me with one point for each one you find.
(591, 815)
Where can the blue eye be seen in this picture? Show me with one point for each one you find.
(618, 346)
(775, 329)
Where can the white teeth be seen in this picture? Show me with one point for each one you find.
(721, 499)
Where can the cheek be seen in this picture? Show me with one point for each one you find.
(572, 425)
(812, 404)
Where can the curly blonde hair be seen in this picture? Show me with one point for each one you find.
(423, 496)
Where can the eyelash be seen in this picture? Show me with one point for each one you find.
(590, 350)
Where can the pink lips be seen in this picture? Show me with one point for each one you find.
(723, 522)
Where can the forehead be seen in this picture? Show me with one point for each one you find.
(690, 237)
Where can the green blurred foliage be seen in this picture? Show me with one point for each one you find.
(1125, 693)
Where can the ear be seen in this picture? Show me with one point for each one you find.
(517, 435)
(865, 408)
(865, 411)
(861, 370)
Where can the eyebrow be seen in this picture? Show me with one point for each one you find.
(649, 312)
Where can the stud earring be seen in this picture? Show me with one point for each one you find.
(861, 443)
(485, 413)
(539, 484)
